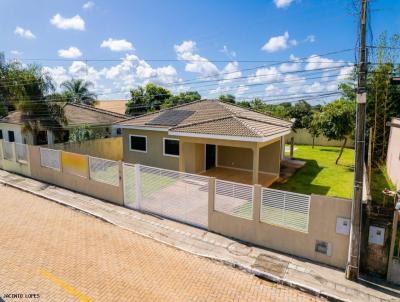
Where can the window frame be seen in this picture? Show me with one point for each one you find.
(13, 136)
(171, 139)
(130, 143)
(1, 134)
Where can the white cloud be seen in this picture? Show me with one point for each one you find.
(317, 62)
(76, 22)
(229, 53)
(16, 53)
(290, 67)
(117, 45)
(88, 5)
(70, 53)
(241, 90)
(278, 43)
(310, 39)
(282, 3)
(345, 73)
(24, 33)
(58, 73)
(186, 51)
(231, 72)
(266, 74)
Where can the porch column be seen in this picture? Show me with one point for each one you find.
(181, 157)
(256, 159)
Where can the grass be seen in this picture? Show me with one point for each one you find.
(380, 181)
(320, 175)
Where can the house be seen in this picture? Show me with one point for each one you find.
(12, 125)
(393, 153)
(208, 137)
(118, 106)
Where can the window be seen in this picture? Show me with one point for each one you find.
(11, 137)
(1, 134)
(119, 131)
(138, 143)
(171, 147)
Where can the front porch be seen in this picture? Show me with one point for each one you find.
(241, 176)
(245, 162)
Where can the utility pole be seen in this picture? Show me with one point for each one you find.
(352, 268)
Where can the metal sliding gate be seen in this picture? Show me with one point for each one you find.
(176, 195)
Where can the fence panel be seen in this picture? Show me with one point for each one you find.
(21, 151)
(177, 195)
(286, 209)
(234, 199)
(50, 158)
(74, 163)
(103, 170)
(8, 152)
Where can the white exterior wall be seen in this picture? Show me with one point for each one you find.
(19, 136)
(393, 154)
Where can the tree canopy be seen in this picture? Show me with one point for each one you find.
(78, 91)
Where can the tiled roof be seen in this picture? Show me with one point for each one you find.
(218, 118)
(75, 114)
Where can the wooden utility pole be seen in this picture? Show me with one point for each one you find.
(352, 268)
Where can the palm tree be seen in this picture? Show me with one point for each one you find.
(78, 91)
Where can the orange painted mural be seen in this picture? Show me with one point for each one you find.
(74, 163)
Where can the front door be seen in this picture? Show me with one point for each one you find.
(210, 156)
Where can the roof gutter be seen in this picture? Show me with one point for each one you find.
(230, 137)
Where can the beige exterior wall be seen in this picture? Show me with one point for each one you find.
(194, 157)
(242, 158)
(393, 154)
(14, 166)
(303, 137)
(73, 182)
(20, 136)
(108, 148)
(322, 226)
(154, 156)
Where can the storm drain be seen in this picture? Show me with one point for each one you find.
(271, 265)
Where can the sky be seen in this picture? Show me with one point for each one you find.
(277, 50)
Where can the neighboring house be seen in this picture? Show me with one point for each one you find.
(393, 153)
(12, 125)
(117, 106)
(208, 137)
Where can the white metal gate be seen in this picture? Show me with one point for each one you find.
(176, 195)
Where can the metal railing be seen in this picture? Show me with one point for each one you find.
(8, 151)
(104, 170)
(285, 209)
(50, 158)
(234, 199)
(21, 152)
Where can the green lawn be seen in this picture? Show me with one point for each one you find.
(320, 175)
(380, 181)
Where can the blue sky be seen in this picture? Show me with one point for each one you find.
(206, 42)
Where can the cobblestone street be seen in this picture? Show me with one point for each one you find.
(64, 255)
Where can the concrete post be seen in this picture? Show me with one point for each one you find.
(138, 187)
(88, 167)
(256, 158)
(181, 157)
(257, 203)
(121, 180)
(392, 243)
(14, 149)
(211, 200)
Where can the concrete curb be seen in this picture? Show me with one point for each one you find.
(250, 270)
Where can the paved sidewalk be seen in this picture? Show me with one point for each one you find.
(299, 273)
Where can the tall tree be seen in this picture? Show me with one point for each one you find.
(145, 99)
(39, 110)
(78, 91)
(302, 114)
(181, 98)
(227, 98)
(337, 121)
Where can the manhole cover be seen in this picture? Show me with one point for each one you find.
(271, 264)
(239, 249)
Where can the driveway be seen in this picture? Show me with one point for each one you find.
(54, 253)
